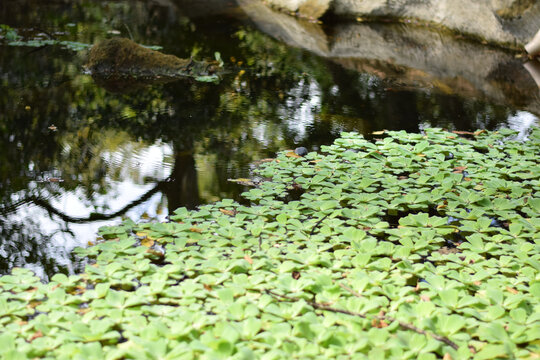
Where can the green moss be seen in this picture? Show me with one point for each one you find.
(120, 56)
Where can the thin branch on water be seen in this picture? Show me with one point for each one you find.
(406, 325)
(403, 325)
(343, 286)
(317, 224)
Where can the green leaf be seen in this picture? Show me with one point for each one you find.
(491, 351)
(449, 297)
(534, 203)
(208, 78)
(451, 324)
(226, 295)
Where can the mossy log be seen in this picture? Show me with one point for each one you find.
(120, 57)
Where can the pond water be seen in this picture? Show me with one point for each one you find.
(75, 155)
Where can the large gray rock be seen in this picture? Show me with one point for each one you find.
(288, 29)
(505, 22)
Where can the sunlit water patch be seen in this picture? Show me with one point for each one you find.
(64, 218)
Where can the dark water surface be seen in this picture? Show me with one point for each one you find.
(75, 156)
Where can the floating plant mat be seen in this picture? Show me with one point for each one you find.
(417, 246)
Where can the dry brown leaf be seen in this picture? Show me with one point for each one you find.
(512, 290)
(447, 356)
(155, 252)
(459, 169)
(248, 259)
(292, 154)
(36, 335)
(83, 311)
(194, 229)
(425, 298)
(54, 179)
(208, 287)
(147, 242)
(295, 275)
(228, 212)
(242, 181)
(32, 304)
(462, 132)
(378, 323)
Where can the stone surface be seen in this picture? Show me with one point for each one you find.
(306, 8)
(286, 28)
(533, 47)
(505, 22)
(414, 56)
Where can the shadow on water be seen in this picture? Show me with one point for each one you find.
(75, 156)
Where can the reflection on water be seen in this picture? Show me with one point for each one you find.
(521, 121)
(75, 156)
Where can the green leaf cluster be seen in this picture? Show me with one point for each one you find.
(394, 249)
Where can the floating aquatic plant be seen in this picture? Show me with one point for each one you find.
(13, 38)
(417, 246)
